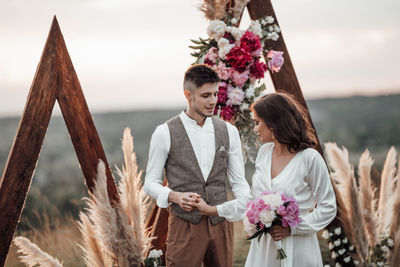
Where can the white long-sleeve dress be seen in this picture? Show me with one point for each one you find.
(305, 178)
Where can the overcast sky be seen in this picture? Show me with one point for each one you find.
(132, 54)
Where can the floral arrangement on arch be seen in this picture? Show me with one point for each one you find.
(236, 55)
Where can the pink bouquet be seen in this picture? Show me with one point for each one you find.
(271, 209)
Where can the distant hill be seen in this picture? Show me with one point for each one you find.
(356, 122)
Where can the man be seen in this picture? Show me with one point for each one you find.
(199, 154)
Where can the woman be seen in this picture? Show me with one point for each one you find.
(287, 163)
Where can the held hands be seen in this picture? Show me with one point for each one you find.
(279, 232)
(185, 200)
(204, 208)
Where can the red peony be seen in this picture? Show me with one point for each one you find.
(250, 42)
(229, 36)
(222, 95)
(258, 69)
(227, 113)
(239, 59)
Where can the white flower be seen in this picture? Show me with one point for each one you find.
(347, 259)
(234, 21)
(223, 42)
(222, 52)
(351, 248)
(341, 251)
(154, 253)
(244, 106)
(356, 262)
(269, 19)
(338, 231)
(250, 92)
(338, 264)
(384, 248)
(331, 246)
(255, 28)
(267, 217)
(263, 22)
(337, 242)
(216, 29)
(344, 240)
(330, 234)
(274, 36)
(236, 33)
(325, 234)
(248, 227)
(155, 264)
(270, 28)
(236, 96)
(327, 265)
(334, 255)
(274, 200)
(276, 28)
(379, 263)
(390, 242)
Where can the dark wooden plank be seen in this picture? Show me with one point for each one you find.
(79, 121)
(286, 79)
(55, 79)
(24, 153)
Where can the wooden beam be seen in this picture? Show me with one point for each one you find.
(286, 79)
(55, 78)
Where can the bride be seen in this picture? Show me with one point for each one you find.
(287, 163)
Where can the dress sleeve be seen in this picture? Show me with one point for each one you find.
(322, 190)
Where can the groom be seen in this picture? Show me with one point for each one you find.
(200, 154)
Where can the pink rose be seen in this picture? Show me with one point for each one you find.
(275, 60)
(211, 56)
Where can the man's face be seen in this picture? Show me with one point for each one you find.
(203, 99)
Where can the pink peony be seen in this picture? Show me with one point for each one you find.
(223, 71)
(281, 210)
(275, 60)
(239, 78)
(239, 58)
(227, 113)
(258, 69)
(211, 56)
(235, 96)
(251, 43)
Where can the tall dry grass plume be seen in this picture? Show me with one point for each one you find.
(367, 219)
(33, 255)
(117, 231)
(214, 9)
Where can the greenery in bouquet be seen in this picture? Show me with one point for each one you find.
(236, 55)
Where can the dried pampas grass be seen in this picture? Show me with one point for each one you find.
(237, 9)
(214, 9)
(33, 255)
(366, 219)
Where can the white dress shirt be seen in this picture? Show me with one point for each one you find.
(202, 140)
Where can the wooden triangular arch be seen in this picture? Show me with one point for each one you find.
(284, 80)
(55, 79)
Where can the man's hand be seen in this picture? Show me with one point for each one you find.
(205, 209)
(279, 232)
(185, 200)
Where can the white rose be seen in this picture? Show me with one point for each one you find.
(248, 227)
(344, 241)
(325, 234)
(274, 36)
(267, 217)
(351, 248)
(154, 253)
(225, 50)
(270, 19)
(384, 248)
(223, 42)
(274, 200)
(341, 251)
(347, 259)
(263, 22)
(255, 28)
(276, 28)
(234, 21)
(337, 242)
(338, 231)
(244, 106)
(216, 29)
(270, 28)
(236, 33)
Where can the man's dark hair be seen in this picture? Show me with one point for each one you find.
(198, 75)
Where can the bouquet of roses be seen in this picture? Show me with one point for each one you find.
(271, 209)
(236, 55)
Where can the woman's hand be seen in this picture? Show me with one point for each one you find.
(204, 208)
(279, 232)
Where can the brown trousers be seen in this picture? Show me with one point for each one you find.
(190, 245)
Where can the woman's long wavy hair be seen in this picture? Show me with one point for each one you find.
(287, 119)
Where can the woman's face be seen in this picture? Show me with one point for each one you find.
(263, 131)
